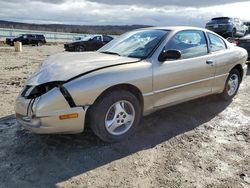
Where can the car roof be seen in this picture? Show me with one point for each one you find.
(219, 18)
(181, 28)
(174, 28)
(32, 34)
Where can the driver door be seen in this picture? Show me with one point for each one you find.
(96, 43)
(190, 76)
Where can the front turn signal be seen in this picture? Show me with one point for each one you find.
(68, 116)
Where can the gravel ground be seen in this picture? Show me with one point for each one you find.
(202, 143)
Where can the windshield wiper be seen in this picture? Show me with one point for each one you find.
(112, 53)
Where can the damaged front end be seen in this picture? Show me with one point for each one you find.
(49, 108)
(30, 92)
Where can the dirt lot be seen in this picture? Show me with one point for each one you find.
(202, 143)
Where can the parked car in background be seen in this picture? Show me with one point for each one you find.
(89, 44)
(244, 42)
(27, 39)
(227, 27)
(135, 74)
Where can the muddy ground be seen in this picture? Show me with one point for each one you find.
(202, 143)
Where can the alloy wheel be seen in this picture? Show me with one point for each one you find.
(120, 117)
(233, 84)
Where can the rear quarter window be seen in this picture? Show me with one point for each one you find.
(107, 39)
(216, 43)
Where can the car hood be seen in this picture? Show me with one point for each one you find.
(76, 42)
(65, 66)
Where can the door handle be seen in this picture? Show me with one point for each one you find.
(209, 62)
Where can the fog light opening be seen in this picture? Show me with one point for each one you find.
(68, 116)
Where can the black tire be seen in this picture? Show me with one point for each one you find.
(97, 115)
(225, 94)
(39, 43)
(80, 49)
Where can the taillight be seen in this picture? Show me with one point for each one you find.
(237, 42)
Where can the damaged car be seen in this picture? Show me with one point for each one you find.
(134, 75)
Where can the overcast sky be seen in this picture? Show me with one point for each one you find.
(114, 12)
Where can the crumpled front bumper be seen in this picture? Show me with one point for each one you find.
(42, 115)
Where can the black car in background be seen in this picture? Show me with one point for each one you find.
(89, 44)
(27, 39)
(227, 27)
(244, 42)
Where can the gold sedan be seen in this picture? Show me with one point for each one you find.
(135, 74)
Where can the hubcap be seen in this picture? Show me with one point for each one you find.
(232, 84)
(120, 117)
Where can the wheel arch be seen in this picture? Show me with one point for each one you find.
(240, 69)
(80, 45)
(129, 87)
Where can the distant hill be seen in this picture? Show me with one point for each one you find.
(89, 29)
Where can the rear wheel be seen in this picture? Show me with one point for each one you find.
(232, 85)
(115, 116)
(80, 49)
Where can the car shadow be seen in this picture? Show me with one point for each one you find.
(46, 160)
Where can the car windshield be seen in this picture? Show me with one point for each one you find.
(19, 36)
(137, 44)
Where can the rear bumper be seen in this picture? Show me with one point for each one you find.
(224, 33)
(43, 116)
(225, 30)
(246, 46)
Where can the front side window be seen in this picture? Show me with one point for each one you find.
(216, 43)
(191, 43)
(137, 44)
(98, 38)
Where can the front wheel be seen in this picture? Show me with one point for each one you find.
(115, 116)
(232, 85)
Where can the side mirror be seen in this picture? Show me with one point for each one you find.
(169, 54)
